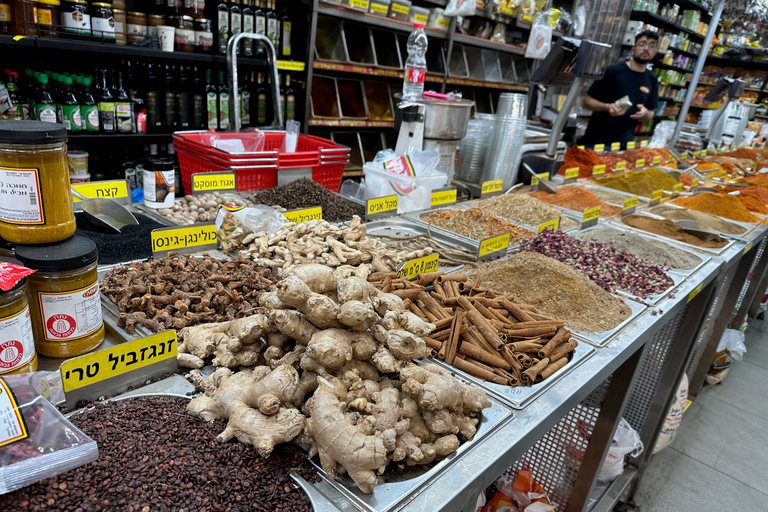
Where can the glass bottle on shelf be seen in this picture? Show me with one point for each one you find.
(273, 25)
(183, 105)
(223, 103)
(211, 101)
(261, 101)
(260, 24)
(235, 20)
(289, 110)
(169, 99)
(245, 101)
(285, 35)
(222, 26)
(154, 121)
(123, 110)
(89, 112)
(248, 26)
(106, 106)
(198, 101)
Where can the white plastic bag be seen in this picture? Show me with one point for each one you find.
(460, 8)
(540, 40)
(733, 341)
(626, 441)
(674, 416)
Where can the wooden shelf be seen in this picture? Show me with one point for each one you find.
(484, 43)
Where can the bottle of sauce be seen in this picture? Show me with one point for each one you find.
(222, 27)
(45, 107)
(89, 112)
(273, 26)
(223, 103)
(211, 101)
(289, 110)
(169, 100)
(70, 108)
(261, 100)
(183, 105)
(248, 26)
(106, 106)
(285, 36)
(123, 114)
(153, 102)
(260, 22)
(198, 102)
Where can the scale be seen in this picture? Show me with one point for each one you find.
(732, 89)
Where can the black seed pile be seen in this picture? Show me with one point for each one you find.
(305, 192)
(154, 457)
(132, 243)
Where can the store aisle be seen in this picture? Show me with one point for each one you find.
(720, 454)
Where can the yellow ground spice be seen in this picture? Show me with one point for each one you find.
(722, 205)
(643, 183)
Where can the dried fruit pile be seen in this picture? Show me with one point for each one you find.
(152, 456)
(476, 224)
(305, 192)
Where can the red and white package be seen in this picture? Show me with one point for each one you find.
(10, 274)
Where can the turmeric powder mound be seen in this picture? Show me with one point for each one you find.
(721, 205)
(643, 183)
(577, 199)
(584, 159)
(760, 180)
(704, 165)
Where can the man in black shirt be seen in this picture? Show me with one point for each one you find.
(610, 123)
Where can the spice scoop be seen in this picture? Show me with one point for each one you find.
(544, 184)
(106, 213)
(697, 229)
(704, 190)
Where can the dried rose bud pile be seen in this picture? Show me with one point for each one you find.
(612, 269)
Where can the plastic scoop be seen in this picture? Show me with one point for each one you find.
(106, 213)
(697, 229)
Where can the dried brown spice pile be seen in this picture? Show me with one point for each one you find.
(305, 192)
(179, 290)
(525, 209)
(154, 456)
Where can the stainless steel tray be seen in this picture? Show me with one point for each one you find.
(110, 308)
(677, 279)
(568, 213)
(749, 226)
(601, 339)
(403, 487)
(518, 397)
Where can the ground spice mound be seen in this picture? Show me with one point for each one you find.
(668, 229)
(132, 243)
(745, 153)
(655, 251)
(759, 193)
(556, 290)
(584, 159)
(611, 197)
(305, 192)
(154, 456)
(525, 210)
(721, 205)
(716, 223)
(577, 199)
(752, 204)
(642, 183)
(611, 159)
(632, 155)
(611, 268)
(476, 224)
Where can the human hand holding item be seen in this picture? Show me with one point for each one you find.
(615, 111)
(642, 114)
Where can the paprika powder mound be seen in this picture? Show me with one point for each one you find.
(721, 205)
(577, 199)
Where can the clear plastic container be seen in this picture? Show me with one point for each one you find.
(400, 9)
(413, 193)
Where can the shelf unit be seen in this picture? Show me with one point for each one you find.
(661, 22)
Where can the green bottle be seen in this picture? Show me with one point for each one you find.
(89, 112)
(45, 107)
(223, 103)
(70, 109)
(211, 101)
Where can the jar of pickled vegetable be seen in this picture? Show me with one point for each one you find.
(65, 300)
(35, 198)
(17, 343)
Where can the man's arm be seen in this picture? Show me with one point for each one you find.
(643, 114)
(594, 105)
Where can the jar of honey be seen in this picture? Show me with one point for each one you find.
(35, 198)
(64, 296)
(17, 343)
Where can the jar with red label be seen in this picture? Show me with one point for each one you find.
(203, 36)
(64, 296)
(17, 342)
(184, 34)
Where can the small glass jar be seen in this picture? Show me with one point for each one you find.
(203, 36)
(194, 8)
(154, 21)
(65, 299)
(36, 204)
(5, 17)
(7, 249)
(136, 29)
(184, 38)
(48, 17)
(23, 17)
(17, 342)
(102, 22)
(75, 18)
(118, 4)
(120, 23)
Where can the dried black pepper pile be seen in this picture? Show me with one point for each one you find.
(155, 457)
(132, 243)
(305, 192)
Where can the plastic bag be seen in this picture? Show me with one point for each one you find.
(540, 40)
(662, 134)
(674, 417)
(241, 142)
(519, 494)
(626, 441)
(460, 8)
(411, 176)
(730, 347)
(236, 227)
(38, 442)
(291, 137)
(579, 20)
(353, 189)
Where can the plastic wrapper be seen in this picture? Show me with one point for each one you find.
(353, 190)
(291, 137)
(36, 441)
(579, 20)
(10, 274)
(460, 8)
(520, 493)
(662, 134)
(499, 34)
(540, 40)
(564, 21)
(236, 227)
(242, 142)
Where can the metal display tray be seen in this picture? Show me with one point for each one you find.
(749, 226)
(601, 339)
(518, 397)
(403, 487)
(110, 308)
(569, 214)
(677, 279)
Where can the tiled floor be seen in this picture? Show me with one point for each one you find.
(719, 458)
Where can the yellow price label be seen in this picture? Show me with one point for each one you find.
(535, 179)
(549, 225)
(643, 143)
(413, 268)
(615, 146)
(399, 8)
(723, 173)
(695, 292)
(304, 214)
(640, 162)
(208, 181)
(171, 239)
(440, 21)
(694, 182)
(420, 18)
(290, 65)
(656, 160)
(657, 195)
(598, 170)
(361, 4)
(114, 189)
(684, 156)
(116, 360)
(599, 148)
(677, 188)
(492, 245)
(747, 248)
(621, 165)
(590, 214)
(631, 145)
(734, 148)
(580, 147)
(380, 205)
(490, 187)
(696, 154)
(571, 173)
(440, 197)
(630, 203)
(670, 159)
(561, 101)
(383, 9)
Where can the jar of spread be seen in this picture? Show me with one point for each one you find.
(17, 341)
(7, 249)
(5, 17)
(118, 4)
(35, 199)
(22, 15)
(154, 21)
(64, 293)
(103, 22)
(184, 38)
(120, 23)
(75, 18)
(194, 8)
(137, 28)
(48, 17)
(203, 36)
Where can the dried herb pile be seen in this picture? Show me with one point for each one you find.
(476, 224)
(305, 192)
(525, 210)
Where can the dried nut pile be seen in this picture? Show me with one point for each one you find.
(556, 290)
(655, 251)
(305, 192)
(153, 456)
(611, 268)
(525, 210)
(201, 208)
(476, 224)
(180, 290)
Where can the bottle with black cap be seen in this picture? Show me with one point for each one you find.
(159, 190)
(17, 343)
(64, 292)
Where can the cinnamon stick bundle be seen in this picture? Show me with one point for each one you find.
(552, 368)
(561, 336)
(482, 355)
(532, 374)
(563, 350)
(525, 346)
(466, 365)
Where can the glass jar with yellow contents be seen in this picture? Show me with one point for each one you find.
(64, 296)
(35, 198)
(17, 343)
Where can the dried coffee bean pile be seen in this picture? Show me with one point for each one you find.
(305, 192)
(154, 457)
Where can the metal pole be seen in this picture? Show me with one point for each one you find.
(562, 116)
(234, 94)
(697, 72)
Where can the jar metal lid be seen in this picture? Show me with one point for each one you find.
(187, 18)
(101, 4)
(115, 11)
(159, 164)
(157, 16)
(49, 2)
(79, 2)
(202, 20)
(31, 132)
(20, 282)
(73, 253)
(136, 13)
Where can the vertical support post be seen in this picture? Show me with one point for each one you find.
(756, 286)
(310, 67)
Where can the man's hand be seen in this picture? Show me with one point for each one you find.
(642, 114)
(615, 111)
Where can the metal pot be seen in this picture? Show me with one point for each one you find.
(443, 120)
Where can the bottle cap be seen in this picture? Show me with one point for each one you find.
(418, 25)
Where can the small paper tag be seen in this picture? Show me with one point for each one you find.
(304, 214)
(656, 196)
(656, 160)
(615, 146)
(443, 196)
(630, 204)
(695, 292)
(598, 171)
(599, 148)
(621, 166)
(571, 175)
(493, 247)
(213, 181)
(200, 236)
(491, 188)
(631, 145)
(549, 225)
(413, 268)
(643, 143)
(639, 163)
(381, 207)
(590, 217)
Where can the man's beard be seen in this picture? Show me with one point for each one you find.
(641, 60)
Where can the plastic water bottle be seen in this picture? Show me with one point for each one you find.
(416, 63)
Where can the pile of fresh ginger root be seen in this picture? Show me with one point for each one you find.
(329, 363)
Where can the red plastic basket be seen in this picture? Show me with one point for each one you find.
(256, 170)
